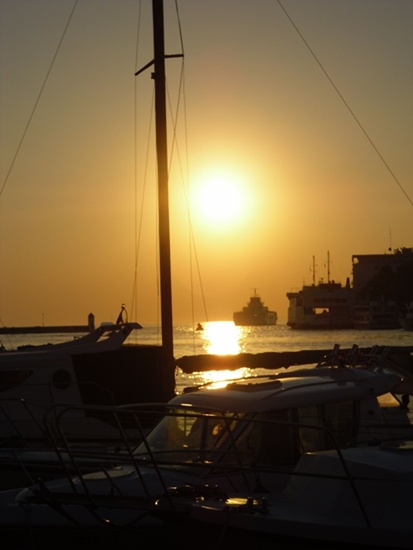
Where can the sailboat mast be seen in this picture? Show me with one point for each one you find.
(163, 193)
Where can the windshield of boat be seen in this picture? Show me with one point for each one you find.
(184, 436)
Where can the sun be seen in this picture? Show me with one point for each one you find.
(220, 198)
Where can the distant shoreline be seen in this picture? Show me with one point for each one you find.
(44, 330)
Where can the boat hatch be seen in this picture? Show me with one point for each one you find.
(254, 387)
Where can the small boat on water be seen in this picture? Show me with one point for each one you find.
(319, 452)
(255, 313)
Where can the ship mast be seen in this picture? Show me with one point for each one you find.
(313, 270)
(328, 266)
(163, 180)
(163, 192)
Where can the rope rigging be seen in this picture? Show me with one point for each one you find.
(346, 104)
(175, 154)
(36, 103)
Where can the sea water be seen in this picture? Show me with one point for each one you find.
(224, 338)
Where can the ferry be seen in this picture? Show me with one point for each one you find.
(255, 313)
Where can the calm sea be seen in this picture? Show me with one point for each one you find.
(223, 337)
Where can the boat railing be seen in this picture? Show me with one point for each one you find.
(22, 421)
(132, 423)
(232, 460)
(356, 356)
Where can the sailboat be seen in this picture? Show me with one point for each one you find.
(56, 395)
(99, 369)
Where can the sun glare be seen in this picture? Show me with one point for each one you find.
(221, 198)
(222, 338)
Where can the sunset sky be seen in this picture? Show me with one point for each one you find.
(293, 139)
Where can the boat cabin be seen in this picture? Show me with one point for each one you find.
(275, 419)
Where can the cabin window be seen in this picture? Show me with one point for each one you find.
(278, 438)
(340, 419)
(188, 436)
(311, 437)
(276, 445)
(266, 439)
(206, 436)
(61, 379)
(318, 421)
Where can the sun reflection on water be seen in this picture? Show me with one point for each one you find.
(222, 338)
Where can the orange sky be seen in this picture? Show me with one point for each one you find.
(260, 117)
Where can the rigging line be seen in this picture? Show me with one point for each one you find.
(179, 27)
(192, 248)
(19, 146)
(175, 147)
(139, 218)
(198, 268)
(134, 300)
(192, 237)
(138, 222)
(191, 232)
(346, 104)
(181, 79)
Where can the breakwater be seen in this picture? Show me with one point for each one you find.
(45, 330)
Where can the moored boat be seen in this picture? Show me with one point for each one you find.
(322, 306)
(98, 368)
(336, 491)
(337, 431)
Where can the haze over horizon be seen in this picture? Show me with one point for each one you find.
(292, 141)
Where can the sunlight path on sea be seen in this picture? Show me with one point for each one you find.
(224, 338)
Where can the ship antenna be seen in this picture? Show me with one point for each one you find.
(313, 270)
(328, 266)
